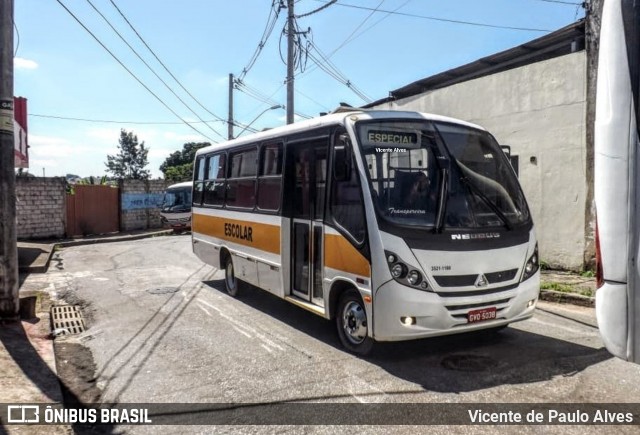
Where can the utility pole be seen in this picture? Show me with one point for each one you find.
(290, 60)
(230, 120)
(593, 15)
(8, 245)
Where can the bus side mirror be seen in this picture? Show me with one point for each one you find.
(342, 163)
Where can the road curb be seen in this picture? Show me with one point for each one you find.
(40, 263)
(124, 238)
(569, 298)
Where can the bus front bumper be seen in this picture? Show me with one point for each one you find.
(431, 315)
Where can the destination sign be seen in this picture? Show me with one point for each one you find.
(392, 137)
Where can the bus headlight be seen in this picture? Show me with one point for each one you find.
(532, 265)
(414, 277)
(404, 274)
(398, 270)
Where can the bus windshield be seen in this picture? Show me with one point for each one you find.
(177, 200)
(440, 175)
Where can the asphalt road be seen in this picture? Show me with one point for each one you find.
(162, 329)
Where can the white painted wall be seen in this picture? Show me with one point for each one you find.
(540, 110)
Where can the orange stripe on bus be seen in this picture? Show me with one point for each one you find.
(340, 254)
(264, 237)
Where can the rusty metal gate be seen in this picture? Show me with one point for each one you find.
(93, 209)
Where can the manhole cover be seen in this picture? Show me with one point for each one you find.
(162, 290)
(67, 319)
(468, 363)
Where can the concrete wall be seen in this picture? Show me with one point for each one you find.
(140, 204)
(40, 207)
(540, 111)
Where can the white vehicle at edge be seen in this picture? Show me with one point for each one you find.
(175, 210)
(617, 178)
(397, 225)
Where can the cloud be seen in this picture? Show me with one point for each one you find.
(37, 140)
(22, 63)
(35, 163)
(160, 152)
(184, 137)
(50, 146)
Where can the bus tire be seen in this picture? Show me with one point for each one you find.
(231, 283)
(352, 324)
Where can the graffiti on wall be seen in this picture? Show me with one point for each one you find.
(141, 201)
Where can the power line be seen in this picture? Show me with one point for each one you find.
(446, 20)
(163, 65)
(561, 2)
(130, 72)
(109, 121)
(268, 30)
(311, 99)
(151, 69)
(252, 92)
(15, 53)
(315, 11)
(327, 66)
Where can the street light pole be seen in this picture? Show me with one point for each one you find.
(277, 106)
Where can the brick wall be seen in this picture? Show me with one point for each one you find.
(40, 207)
(140, 204)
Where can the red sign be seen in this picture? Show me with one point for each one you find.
(21, 148)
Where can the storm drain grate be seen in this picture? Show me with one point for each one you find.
(67, 319)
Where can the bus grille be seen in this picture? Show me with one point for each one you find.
(470, 280)
(479, 292)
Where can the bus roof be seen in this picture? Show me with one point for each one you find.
(331, 119)
(179, 185)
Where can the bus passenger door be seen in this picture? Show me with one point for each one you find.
(307, 232)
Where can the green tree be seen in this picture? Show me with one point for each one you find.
(179, 165)
(131, 159)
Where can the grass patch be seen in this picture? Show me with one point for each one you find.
(587, 274)
(566, 288)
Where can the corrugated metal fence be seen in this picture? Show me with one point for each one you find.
(93, 209)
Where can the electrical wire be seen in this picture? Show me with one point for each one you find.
(130, 72)
(562, 2)
(256, 94)
(164, 66)
(327, 66)
(15, 53)
(446, 20)
(151, 69)
(272, 19)
(106, 121)
(315, 11)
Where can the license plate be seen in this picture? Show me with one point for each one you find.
(481, 315)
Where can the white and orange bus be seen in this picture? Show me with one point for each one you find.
(398, 225)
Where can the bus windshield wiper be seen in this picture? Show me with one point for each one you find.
(494, 208)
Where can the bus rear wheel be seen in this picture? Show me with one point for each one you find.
(231, 283)
(352, 324)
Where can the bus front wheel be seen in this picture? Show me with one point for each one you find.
(230, 281)
(352, 324)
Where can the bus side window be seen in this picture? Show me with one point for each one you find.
(270, 177)
(198, 180)
(347, 204)
(215, 185)
(241, 182)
